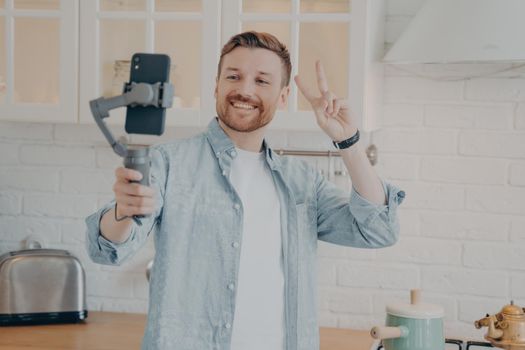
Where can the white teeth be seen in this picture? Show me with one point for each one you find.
(242, 105)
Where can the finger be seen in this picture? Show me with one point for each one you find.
(320, 106)
(337, 107)
(329, 98)
(135, 201)
(343, 103)
(129, 210)
(321, 77)
(128, 174)
(133, 189)
(307, 92)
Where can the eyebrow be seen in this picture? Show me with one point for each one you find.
(260, 72)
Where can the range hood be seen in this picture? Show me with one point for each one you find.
(463, 31)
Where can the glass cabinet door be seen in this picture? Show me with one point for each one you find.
(113, 31)
(337, 32)
(38, 60)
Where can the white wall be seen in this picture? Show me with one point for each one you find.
(456, 147)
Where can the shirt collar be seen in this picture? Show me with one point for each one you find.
(220, 143)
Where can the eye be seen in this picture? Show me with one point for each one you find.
(260, 81)
(232, 77)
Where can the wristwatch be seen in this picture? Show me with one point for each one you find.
(348, 142)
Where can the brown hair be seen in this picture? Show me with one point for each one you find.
(261, 40)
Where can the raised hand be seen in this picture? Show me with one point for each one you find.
(332, 113)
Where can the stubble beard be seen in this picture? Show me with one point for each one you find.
(225, 113)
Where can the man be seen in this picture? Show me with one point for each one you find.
(236, 224)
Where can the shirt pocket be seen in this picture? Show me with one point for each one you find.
(306, 230)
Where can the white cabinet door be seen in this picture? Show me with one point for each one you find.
(186, 30)
(347, 36)
(38, 60)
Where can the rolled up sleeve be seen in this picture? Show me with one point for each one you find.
(378, 222)
(355, 221)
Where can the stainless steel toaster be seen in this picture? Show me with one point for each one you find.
(41, 286)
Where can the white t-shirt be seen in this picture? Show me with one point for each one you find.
(258, 322)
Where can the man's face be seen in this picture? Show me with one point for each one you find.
(248, 89)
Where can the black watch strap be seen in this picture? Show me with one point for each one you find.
(348, 142)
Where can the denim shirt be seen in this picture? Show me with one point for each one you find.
(198, 237)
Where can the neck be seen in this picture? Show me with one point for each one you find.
(248, 141)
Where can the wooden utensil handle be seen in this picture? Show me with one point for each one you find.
(386, 332)
(415, 296)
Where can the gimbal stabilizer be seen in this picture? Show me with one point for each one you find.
(159, 95)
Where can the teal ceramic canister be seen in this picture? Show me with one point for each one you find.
(414, 326)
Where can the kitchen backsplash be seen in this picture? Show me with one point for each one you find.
(456, 146)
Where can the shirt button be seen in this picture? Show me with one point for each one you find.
(218, 154)
(230, 286)
(237, 206)
(224, 173)
(227, 325)
(233, 153)
(235, 244)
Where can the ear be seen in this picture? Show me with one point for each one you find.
(216, 83)
(283, 97)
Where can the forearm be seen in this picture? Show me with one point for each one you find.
(115, 231)
(364, 178)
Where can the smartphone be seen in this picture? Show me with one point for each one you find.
(147, 68)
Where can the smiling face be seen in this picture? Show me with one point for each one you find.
(249, 88)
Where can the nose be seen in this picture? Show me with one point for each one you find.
(246, 88)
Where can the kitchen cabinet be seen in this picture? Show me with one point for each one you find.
(39, 60)
(119, 331)
(188, 31)
(346, 35)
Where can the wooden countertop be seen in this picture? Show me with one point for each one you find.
(116, 331)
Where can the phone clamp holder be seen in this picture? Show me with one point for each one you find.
(159, 95)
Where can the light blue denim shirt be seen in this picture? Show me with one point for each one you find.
(198, 237)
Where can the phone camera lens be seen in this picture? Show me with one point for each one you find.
(137, 59)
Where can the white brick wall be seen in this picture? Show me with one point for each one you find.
(492, 144)
(10, 203)
(39, 154)
(517, 229)
(373, 275)
(464, 225)
(464, 170)
(495, 90)
(423, 250)
(456, 147)
(8, 153)
(502, 200)
(457, 280)
(469, 308)
(481, 116)
(520, 116)
(399, 114)
(517, 174)
(417, 141)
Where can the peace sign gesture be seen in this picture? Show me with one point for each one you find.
(332, 113)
